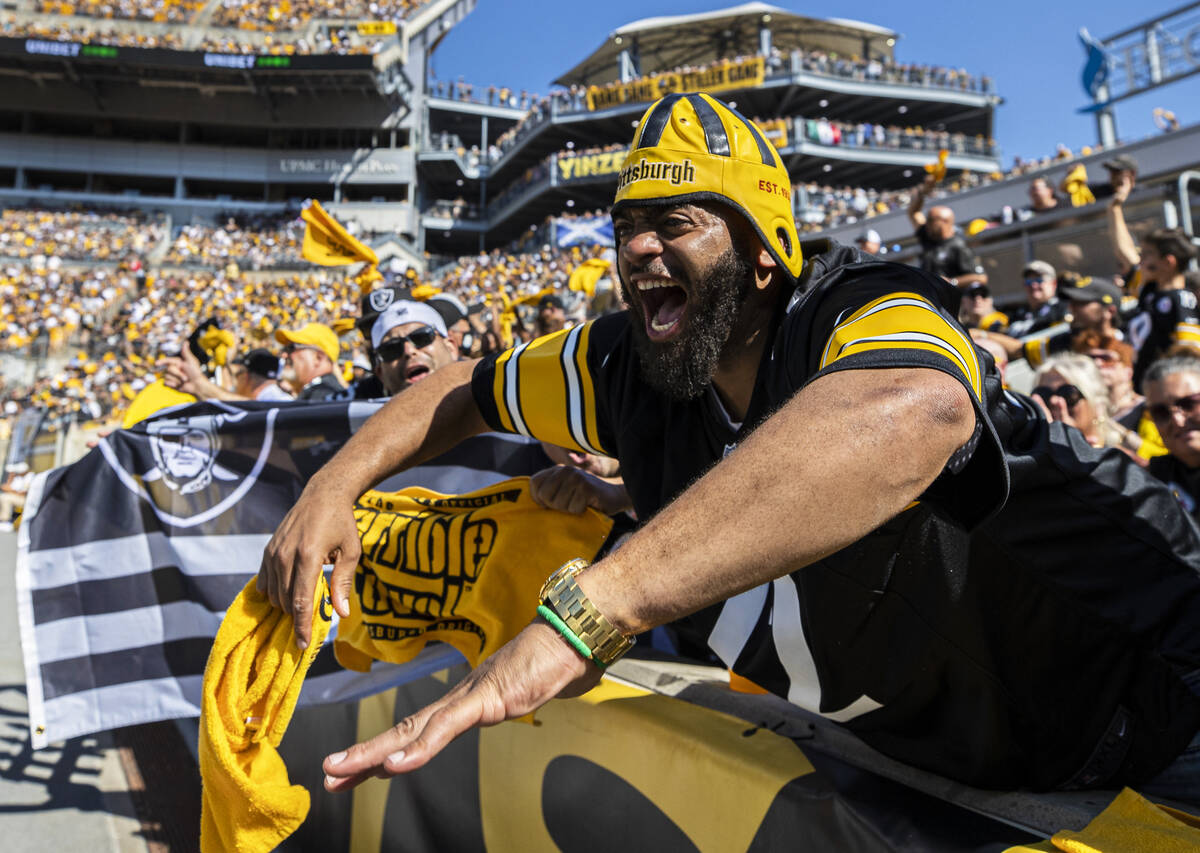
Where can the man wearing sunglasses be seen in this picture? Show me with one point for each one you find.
(1044, 308)
(1172, 387)
(410, 342)
(310, 356)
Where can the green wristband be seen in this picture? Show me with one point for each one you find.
(568, 635)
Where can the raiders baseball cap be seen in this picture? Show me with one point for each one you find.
(405, 311)
(375, 303)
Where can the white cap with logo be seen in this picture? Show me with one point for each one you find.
(405, 311)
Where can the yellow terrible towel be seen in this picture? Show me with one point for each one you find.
(1130, 824)
(251, 684)
(465, 569)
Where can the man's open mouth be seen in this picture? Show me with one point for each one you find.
(664, 303)
(416, 373)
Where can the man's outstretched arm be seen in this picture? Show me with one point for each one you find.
(847, 453)
(421, 422)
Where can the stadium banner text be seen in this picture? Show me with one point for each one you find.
(161, 57)
(583, 167)
(727, 75)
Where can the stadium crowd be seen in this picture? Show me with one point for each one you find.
(76, 235)
(282, 15)
(85, 31)
(249, 242)
(158, 11)
(77, 298)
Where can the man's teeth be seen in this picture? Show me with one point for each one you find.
(662, 327)
(652, 283)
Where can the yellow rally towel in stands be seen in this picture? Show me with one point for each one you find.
(585, 276)
(938, 167)
(251, 684)
(1075, 185)
(465, 570)
(1130, 824)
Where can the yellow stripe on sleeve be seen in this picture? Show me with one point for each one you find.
(1187, 333)
(589, 393)
(1035, 351)
(904, 321)
(543, 390)
(498, 391)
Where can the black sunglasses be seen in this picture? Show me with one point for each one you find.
(1069, 394)
(1163, 411)
(393, 348)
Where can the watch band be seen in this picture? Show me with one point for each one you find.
(563, 596)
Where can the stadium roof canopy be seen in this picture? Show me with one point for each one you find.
(666, 43)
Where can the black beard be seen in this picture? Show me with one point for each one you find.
(683, 367)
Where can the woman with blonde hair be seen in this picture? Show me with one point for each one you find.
(1070, 389)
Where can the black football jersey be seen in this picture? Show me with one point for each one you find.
(983, 640)
(1164, 319)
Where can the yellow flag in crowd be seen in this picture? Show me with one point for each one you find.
(938, 169)
(1075, 185)
(535, 298)
(584, 277)
(328, 243)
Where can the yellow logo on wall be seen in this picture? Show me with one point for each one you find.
(376, 28)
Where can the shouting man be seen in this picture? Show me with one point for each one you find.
(838, 498)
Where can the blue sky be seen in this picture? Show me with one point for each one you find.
(1029, 48)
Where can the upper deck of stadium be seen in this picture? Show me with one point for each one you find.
(830, 93)
(187, 107)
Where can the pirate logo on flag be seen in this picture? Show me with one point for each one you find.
(186, 456)
(192, 474)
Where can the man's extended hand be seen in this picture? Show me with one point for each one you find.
(1122, 185)
(571, 490)
(531, 669)
(318, 531)
(184, 373)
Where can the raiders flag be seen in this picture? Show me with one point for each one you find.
(128, 558)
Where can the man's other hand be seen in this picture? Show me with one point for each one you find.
(183, 373)
(1122, 185)
(319, 531)
(571, 490)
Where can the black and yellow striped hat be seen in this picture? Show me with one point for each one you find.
(692, 147)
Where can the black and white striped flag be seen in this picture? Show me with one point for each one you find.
(128, 558)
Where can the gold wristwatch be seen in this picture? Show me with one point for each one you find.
(562, 594)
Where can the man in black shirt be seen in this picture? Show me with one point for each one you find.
(944, 251)
(839, 498)
(1043, 309)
